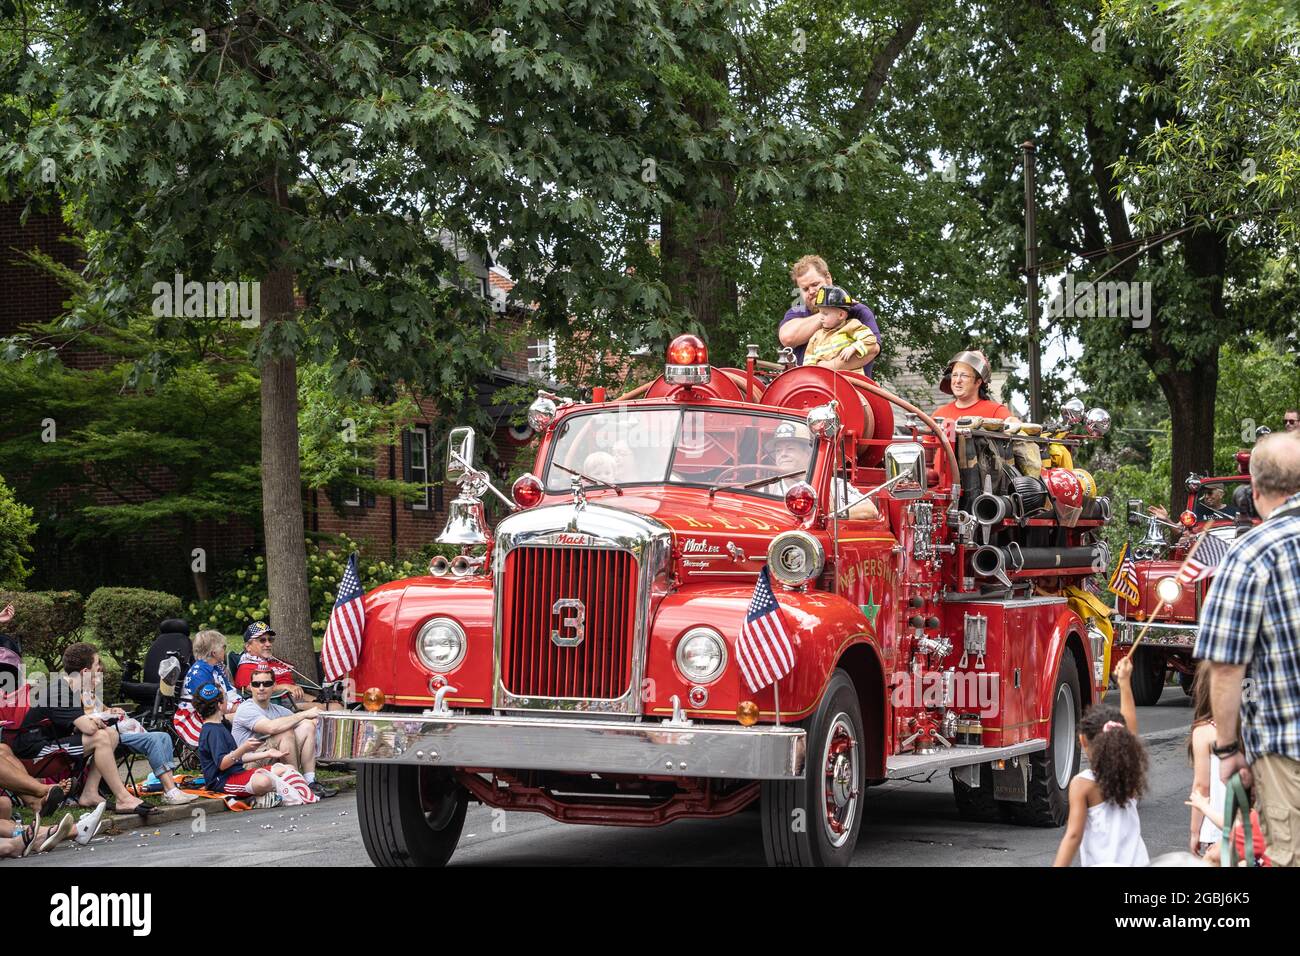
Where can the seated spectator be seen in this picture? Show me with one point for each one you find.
(156, 746)
(259, 640)
(966, 379)
(600, 466)
(209, 667)
(242, 770)
(290, 733)
(41, 798)
(58, 701)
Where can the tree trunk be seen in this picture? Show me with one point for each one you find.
(282, 512)
(1191, 396)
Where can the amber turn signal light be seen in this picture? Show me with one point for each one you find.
(373, 699)
(747, 713)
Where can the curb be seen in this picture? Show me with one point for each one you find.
(118, 823)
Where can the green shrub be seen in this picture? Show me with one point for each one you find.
(124, 621)
(16, 530)
(45, 622)
(244, 598)
(112, 680)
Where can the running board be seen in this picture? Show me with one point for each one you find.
(905, 765)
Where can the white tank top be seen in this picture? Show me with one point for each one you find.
(1113, 834)
(1218, 796)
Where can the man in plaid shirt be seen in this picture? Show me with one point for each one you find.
(1250, 628)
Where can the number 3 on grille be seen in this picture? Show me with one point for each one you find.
(575, 623)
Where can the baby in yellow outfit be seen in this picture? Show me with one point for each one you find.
(841, 342)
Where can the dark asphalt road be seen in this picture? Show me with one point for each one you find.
(906, 824)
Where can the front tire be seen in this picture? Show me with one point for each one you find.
(409, 816)
(1051, 770)
(816, 821)
(1148, 677)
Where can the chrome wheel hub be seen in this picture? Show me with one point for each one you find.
(842, 784)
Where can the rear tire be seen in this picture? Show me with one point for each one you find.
(409, 816)
(1185, 682)
(1148, 677)
(1051, 770)
(816, 821)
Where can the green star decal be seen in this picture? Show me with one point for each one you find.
(871, 608)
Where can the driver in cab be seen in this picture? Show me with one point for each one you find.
(791, 449)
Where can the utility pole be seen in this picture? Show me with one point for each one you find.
(1031, 272)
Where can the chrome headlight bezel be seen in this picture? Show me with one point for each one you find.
(1168, 589)
(802, 542)
(457, 634)
(701, 633)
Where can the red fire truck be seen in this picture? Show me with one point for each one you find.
(580, 659)
(1166, 610)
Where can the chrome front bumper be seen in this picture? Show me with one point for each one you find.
(1162, 634)
(656, 748)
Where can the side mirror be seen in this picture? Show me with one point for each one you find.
(1134, 511)
(905, 467)
(460, 452)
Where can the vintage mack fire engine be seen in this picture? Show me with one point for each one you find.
(580, 660)
(1166, 610)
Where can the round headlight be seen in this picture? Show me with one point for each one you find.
(795, 557)
(440, 644)
(1168, 590)
(701, 655)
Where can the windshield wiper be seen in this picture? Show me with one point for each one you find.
(754, 484)
(587, 478)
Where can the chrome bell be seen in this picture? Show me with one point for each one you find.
(465, 523)
(824, 420)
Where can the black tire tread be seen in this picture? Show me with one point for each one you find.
(392, 824)
(1148, 681)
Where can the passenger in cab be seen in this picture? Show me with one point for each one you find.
(790, 450)
(966, 379)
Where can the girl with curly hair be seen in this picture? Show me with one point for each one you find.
(1103, 828)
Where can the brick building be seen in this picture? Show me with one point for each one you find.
(384, 527)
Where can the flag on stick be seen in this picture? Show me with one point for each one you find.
(1124, 580)
(764, 651)
(1204, 558)
(341, 648)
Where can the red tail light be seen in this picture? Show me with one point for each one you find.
(527, 491)
(801, 500)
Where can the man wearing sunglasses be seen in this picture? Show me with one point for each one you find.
(291, 733)
(259, 651)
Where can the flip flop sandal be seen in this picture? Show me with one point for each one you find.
(29, 835)
(67, 826)
(53, 800)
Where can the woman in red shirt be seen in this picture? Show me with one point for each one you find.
(966, 380)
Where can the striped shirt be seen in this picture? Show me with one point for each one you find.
(1251, 616)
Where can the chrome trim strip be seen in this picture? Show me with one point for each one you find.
(904, 765)
(952, 597)
(1162, 633)
(565, 744)
(647, 540)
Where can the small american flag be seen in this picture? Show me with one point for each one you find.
(763, 650)
(1203, 559)
(341, 648)
(187, 723)
(1124, 580)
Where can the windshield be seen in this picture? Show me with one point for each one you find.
(1220, 500)
(681, 446)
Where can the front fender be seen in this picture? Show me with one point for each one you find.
(821, 627)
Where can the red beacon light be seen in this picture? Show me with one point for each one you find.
(1187, 519)
(687, 361)
(527, 490)
(800, 500)
(1243, 462)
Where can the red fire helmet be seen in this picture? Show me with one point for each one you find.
(1064, 487)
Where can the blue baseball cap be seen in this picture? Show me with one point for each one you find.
(255, 630)
(208, 692)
